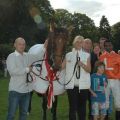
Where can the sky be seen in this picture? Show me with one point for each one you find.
(92, 8)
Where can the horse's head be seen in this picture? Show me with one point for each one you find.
(57, 40)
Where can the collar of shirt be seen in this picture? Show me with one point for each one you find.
(75, 51)
(17, 53)
(105, 52)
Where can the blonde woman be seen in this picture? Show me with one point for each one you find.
(77, 81)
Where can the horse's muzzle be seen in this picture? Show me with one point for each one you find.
(56, 67)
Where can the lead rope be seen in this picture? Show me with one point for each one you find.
(78, 67)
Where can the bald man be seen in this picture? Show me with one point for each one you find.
(18, 65)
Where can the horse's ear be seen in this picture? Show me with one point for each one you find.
(52, 25)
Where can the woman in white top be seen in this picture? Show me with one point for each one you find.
(77, 82)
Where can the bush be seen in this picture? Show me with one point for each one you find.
(5, 50)
(1, 73)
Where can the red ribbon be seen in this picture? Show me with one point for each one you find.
(51, 76)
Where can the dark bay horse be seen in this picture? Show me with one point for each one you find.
(55, 52)
(57, 41)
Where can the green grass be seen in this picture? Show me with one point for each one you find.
(36, 113)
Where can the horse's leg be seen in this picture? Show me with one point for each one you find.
(54, 108)
(44, 107)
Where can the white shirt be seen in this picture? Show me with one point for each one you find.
(17, 66)
(84, 81)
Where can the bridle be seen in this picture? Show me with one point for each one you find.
(38, 67)
(50, 60)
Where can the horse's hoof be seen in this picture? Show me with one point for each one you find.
(44, 118)
(54, 118)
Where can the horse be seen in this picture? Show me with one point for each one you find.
(48, 72)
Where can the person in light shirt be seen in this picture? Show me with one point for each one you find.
(77, 79)
(18, 65)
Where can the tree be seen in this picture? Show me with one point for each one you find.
(84, 26)
(116, 35)
(5, 50)
(63, 18)
(80, 24)
(45, 9)
(16, 20)
(104, 28)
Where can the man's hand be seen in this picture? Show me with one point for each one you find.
(30, 68)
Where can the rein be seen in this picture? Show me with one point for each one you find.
(75, 66)
(77, 72)
(39, 70)
(57, 79)
(34, 64)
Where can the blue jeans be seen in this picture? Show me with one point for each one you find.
(18, 99)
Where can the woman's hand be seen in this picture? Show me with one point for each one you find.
(87, 67)
(94, 94)
(81, 64)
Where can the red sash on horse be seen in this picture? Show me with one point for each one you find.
(51, 76)
(112, 64)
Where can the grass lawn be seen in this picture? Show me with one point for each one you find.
(36, 113)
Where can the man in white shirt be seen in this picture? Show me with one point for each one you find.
(18, 65)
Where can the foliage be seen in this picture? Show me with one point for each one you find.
(84, 26)
(16, 20)
(104, 28)
(45, 8)
(1, 73)
(116, 35)
(5, 50)
(80, 24)
(63, 18)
